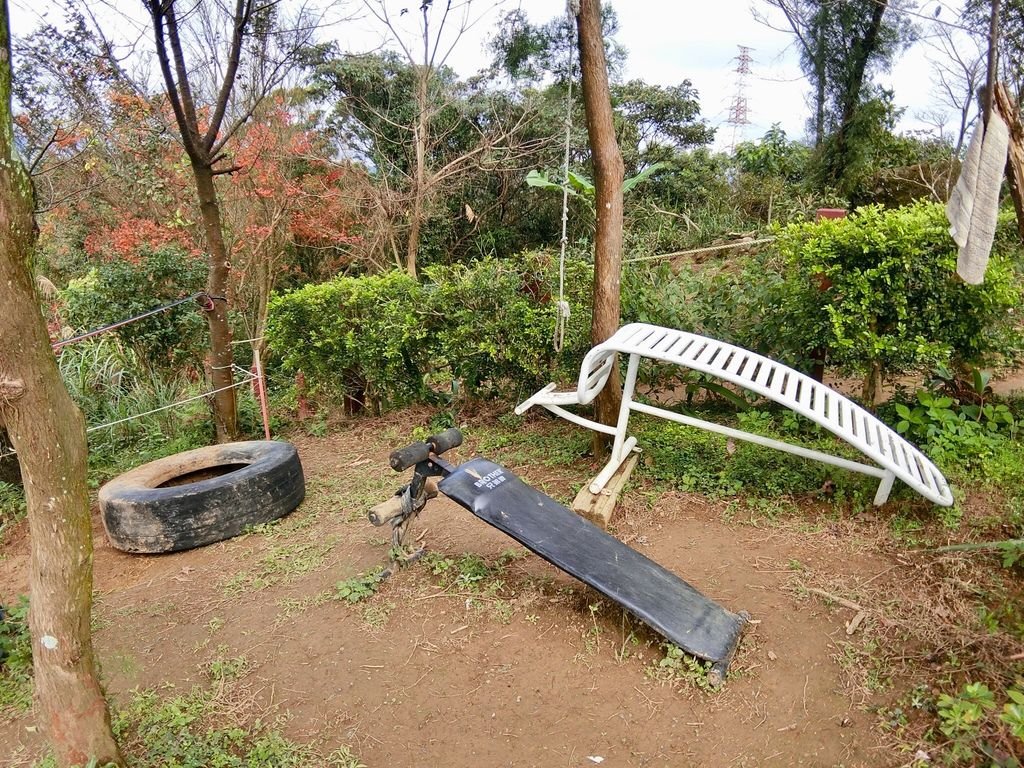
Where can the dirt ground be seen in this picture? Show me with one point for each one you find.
(537, 671)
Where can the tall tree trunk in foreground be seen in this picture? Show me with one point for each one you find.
(48, 432)
(608, 176)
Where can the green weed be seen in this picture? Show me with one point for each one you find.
(375, 615)
(224, 669)
(358, 588)
(677, 667)
(293, 606)
(467, 573)
(961, 717)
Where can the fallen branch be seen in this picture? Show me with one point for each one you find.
(981, 545)
(835, 599)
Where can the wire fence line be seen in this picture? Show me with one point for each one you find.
(248, 376)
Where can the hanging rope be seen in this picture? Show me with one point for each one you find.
(562, 312)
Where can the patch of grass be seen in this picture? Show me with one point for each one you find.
(907, 531)
(556, 446)
(866, 664)
(283, 563)
(678, 668)
(758, 511)
(350, 496)
(15, 659)
(223, 669)
(695, 460)
(467, 573)
(291, 607)
(207, 727)
(376, 615)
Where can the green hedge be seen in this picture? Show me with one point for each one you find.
(879, 287)
(484, 328)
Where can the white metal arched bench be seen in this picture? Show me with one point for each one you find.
(895, 457)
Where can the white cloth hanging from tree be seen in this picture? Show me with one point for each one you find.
(974, 205)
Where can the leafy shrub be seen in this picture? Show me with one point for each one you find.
(725, 304)
(116, 290)
(12, 505)
(492, 321)
(878, 289)
(386, 339)
(15, 657)
(955, 421)
(977, 727)
(359, 335)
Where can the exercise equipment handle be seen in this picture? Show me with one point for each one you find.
(413, 454)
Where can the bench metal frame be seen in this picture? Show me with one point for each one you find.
(894, 456)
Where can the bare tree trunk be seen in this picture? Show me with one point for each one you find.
(419, 190)
(48, 432)
(872, 386)
(608, 175)
(819, 93)
(225, 411)
(1015, 158)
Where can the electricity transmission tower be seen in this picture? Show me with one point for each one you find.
(738, 111)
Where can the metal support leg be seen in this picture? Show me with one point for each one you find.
(622, 446)
(884, 487)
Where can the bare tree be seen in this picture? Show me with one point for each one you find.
(48, 432)
(608, 177)
(209, 109)
(427, 49)
(959, 68)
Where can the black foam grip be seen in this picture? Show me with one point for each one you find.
(413, 454)
(450, 438)
(406, 457)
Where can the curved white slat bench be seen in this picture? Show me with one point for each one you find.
(895, 457)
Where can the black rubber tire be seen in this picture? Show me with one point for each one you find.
(260, 481)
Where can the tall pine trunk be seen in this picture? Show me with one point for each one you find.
(225, 410)
(608, 176)
(48, 432)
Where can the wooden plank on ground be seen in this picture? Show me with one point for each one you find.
(598, 507)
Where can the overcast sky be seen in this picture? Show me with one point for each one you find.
(668, 41)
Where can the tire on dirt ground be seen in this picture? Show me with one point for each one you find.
(201, 496)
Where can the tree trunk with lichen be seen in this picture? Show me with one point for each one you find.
(608, 176)
(225, 407)
(48, 432)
